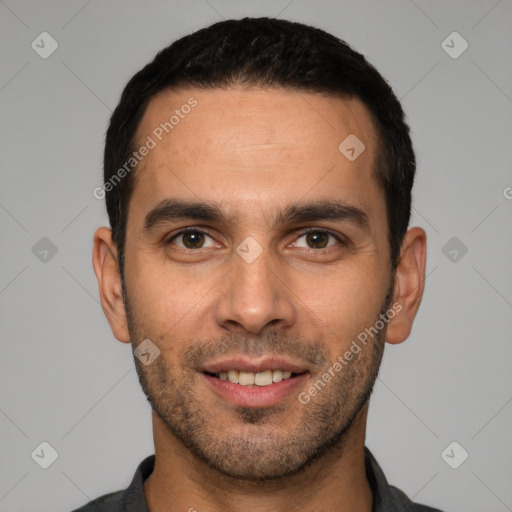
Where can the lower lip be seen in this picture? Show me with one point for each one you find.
(257, 396)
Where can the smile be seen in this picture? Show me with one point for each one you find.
(254, 379)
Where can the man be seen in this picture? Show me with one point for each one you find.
(258, 179)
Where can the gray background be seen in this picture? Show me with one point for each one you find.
(66, 380)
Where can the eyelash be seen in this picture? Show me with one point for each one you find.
(305, 232)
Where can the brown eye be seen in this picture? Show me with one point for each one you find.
(191, 239)
(317, 239)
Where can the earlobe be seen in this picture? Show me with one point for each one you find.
(409, 284)
(106, 268)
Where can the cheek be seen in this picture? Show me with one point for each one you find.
(356, 285)
(170, 306)
(153, 292)
(346, 302)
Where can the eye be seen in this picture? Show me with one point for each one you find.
(192, 239)
(318, 239)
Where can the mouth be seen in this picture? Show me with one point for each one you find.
(253, 383)
(251, 379)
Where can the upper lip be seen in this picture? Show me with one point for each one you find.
(254, 365)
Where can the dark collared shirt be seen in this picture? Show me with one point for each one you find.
(386, 498)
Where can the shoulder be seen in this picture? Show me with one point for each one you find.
(107, 503)
(399, 502)
(130, 499)
(388, 498)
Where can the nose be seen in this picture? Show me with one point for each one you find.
(254, 295)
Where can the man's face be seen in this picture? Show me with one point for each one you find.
(250, 283)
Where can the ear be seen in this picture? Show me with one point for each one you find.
(409, 284)
(106, 268)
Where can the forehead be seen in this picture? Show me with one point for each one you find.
(247, 144)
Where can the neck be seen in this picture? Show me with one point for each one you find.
(335, 481)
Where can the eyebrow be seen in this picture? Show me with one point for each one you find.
(178, 209)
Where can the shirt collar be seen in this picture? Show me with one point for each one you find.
(384, 496)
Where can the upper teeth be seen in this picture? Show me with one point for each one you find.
(250, 379)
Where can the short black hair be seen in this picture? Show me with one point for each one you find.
(265, 52)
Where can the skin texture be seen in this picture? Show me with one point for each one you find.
(253, 152)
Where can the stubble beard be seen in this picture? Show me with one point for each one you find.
(250, 443)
